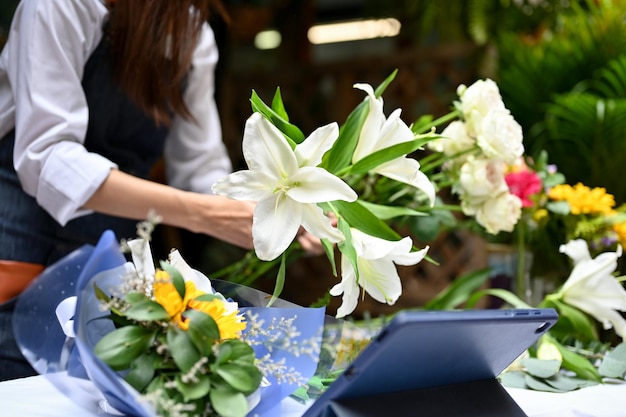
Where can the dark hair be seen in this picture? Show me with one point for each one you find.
(152, 44)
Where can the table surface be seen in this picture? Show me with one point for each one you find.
(37, 397)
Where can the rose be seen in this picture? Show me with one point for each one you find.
(500, 136)
(455, 139)
(500, 213)
(477, 100)
(524, 184)
(481, 179)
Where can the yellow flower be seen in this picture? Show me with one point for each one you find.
(582, 199)
(229, 324)
(620, 230)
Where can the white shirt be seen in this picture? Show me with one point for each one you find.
(41, 95)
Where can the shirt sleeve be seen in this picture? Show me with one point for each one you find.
(195, 154)
(49, 43)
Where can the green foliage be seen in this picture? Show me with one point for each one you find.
(576, 108)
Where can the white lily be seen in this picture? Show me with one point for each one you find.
(286, 184)
(379, 133)
(592, 288)
(378, 276)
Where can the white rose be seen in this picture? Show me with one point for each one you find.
(479, 99)
(455, 139)
(500, 213)
(481, 179)
(500, 136)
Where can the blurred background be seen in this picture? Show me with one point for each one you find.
(547, 57)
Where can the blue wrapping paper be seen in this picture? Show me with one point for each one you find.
(69, 362)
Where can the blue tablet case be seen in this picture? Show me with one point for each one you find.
(436, 364)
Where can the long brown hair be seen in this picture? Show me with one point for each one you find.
(152, 44)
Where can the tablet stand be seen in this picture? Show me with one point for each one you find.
(486, 398)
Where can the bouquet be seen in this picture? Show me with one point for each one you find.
(352, 185)
(146, 341)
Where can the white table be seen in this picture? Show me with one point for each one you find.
(36, 397)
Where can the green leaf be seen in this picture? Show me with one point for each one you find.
(346, 247)
(572, 321)
(234, 350)
(176, 277)
(227, 402)
(541, 368)
(390, 153)
(558, 207)
(340, 156)
(384, 212)
(293, 134)
(505, 295)
(203, 331)
(613, 364)
(359, 217)
(199, 388)
(539, 385)
(513, 379)
(578, 364)
(458, 291)
(242, 377)
(122, 346)
(280, 280)
(183, 350)
(142, 308)
(564, 383)
(142, 371)
(329, 249)
(279, 106)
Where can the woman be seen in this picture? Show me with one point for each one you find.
(92, 93)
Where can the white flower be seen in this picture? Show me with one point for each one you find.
(379, 133)
(477, 100)
(481, 179)
(592, 288)
(286, 184)
(378, 275)
(455, 139)
(500, 136)
(500, 213)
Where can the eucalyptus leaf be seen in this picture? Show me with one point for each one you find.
(613, 364)
(513, 379)
(558, 207)
(122, 346)
(183, 350)
(541, 368)
(203, 331)
(227, 402)
(539, 385)
(198, 388)
(563, 383)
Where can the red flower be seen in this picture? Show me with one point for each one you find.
(523, 184)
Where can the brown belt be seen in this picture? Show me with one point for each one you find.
(15, 277)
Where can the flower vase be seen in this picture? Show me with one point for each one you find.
(508, 273)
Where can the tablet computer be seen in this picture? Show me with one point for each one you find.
(424, 357)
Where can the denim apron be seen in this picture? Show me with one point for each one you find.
(118, 130)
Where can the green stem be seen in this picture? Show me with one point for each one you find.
(520, 287)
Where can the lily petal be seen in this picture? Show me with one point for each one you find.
(368, 139)
(311, 150)
(348, 287)
(275, 224)
(316, 185)
(576, 249)
(265, 148)
(406, 170)
(380, 279)
(244, 185)
(200, 280)
(318, 224)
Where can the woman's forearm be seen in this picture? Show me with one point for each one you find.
(124, 195)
